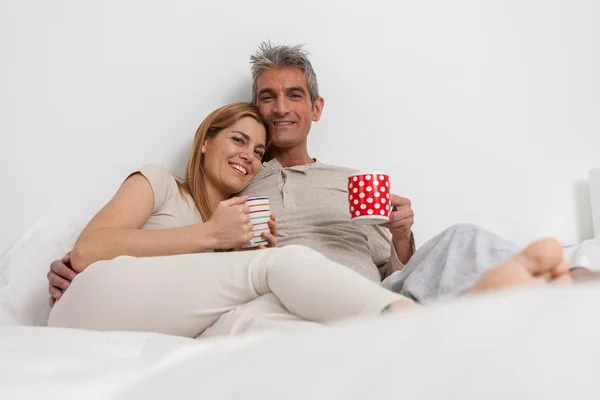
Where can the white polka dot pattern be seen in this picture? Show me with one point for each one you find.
(369, 196)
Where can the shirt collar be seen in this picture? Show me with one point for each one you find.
(274, 165)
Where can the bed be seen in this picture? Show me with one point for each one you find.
(536, 343)
(539, 342)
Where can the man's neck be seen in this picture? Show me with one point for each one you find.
(292, 157)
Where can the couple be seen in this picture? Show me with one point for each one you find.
(167, 286)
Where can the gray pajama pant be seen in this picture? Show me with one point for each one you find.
(446, 265)
(450, 263)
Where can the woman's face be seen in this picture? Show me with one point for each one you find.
(233, 157)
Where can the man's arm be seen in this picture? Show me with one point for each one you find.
(405, 247)
(390, 259)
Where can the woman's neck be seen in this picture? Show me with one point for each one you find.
(214, 196)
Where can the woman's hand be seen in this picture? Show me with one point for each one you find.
(230, 225)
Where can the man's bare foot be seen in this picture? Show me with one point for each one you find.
(540, 262)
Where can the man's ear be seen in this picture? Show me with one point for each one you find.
(318, 109)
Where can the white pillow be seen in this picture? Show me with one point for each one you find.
(23, 268)
(585, 254)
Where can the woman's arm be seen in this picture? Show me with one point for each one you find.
(116, 230)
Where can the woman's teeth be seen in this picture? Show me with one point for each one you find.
(239, 168)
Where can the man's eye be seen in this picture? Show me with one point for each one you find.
(266, 98)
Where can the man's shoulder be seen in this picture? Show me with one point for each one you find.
(337, 168)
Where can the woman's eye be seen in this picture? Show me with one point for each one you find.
(259, 154)
(238, 140)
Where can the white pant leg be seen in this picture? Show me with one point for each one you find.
(185, 294)
(263, 314)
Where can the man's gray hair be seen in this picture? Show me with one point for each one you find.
(271, 56)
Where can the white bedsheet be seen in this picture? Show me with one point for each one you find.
(535, 343)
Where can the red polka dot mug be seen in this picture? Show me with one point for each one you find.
(369, 200)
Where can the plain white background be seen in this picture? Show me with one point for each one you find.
(482, 111)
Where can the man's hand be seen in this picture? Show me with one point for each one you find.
(59, 278)
(271, 237)
(400, 225)
(402, 218)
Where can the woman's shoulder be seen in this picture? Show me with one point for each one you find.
(156, 170)
(162, 181)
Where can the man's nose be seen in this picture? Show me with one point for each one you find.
(282, 106)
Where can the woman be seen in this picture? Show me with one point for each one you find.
(147, 260)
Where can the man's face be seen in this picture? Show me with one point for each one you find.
(284, 102)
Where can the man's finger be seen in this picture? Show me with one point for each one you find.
(58, 282)
(396, 224)
(400, 201)
(60, 269)
(272, 239)
(401, 214)
(55, 293)
(272, 227)
(67, 258)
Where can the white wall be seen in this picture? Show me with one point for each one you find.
(482, 111)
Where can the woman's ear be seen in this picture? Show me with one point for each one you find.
(204, 147)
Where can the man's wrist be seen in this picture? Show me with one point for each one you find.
(403, 245)
(401, 237)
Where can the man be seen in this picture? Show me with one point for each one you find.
(309, 198)
(310, 201)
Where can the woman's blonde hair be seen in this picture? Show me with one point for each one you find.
(222, 118)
